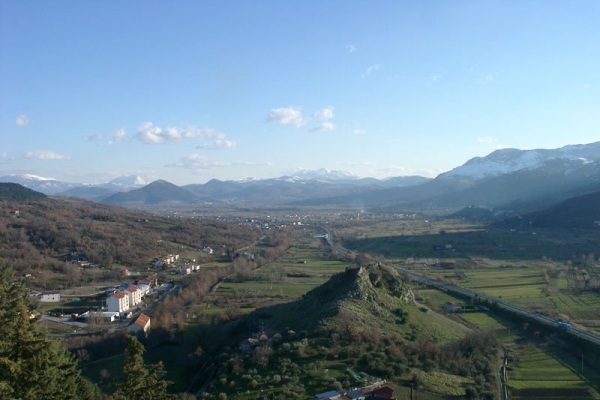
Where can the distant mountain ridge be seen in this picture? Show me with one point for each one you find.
(15, 192)
(96, 192)
(157, 192)
(506, 161)
(507, 179)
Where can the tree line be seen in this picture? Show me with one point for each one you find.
(34, 367)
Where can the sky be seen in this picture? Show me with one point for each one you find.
(188, 91)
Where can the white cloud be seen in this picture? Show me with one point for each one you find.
(196, 162)
(45, 155)
(486, 139)
(254, 163)
(118, 136)
(351, 48)
(437, 77)
(324, 114)
(394, 171)
(358, 163)
(22, 120)
(218, 144)
(371, 69)
(489, 78)
(286, 116)
(325, 126)
(149, 133)
(358, 132)
(96, 137)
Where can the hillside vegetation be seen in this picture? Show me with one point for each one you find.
(359, 327)
(41, 237)
(16, 192)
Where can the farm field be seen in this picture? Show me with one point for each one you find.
(539, 374)
(299, 270)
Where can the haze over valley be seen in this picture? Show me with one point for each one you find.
(299, 200)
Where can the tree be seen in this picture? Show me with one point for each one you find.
(31, 365)
(140, 381)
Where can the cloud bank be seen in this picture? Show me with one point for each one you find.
(45, 155)
(148, 133)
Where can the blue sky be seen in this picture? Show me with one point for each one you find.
(188, 91)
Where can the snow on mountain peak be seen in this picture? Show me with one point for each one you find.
(32, 177)
(128, 181)
(324, 174)
(506, 161)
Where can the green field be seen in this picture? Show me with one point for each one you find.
(536, 368)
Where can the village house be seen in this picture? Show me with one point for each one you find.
(330, 395)
(384, 392)
(118, 302)
(135, 295)
(140, 325)
(143, 288)
(451, 308)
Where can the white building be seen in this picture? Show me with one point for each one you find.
(105, 315)
(135, 295)
(143, 288)
(50, 298)
(118, 302)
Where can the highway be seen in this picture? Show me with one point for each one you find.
(516, 309)
(502, 304)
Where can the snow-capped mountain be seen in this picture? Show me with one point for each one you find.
(45, 185)
(126, 182)
(507, 161)
(52, 187)
(323, 174)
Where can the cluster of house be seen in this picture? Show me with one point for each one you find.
(365, 393)
(128, 295)
(165, 261)
(262, 336)
(188, 269)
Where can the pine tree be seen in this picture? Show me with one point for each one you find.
(140, 381)
(31, 365)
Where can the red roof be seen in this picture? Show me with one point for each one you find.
(385, 391)
(119, 295)
(142, 320)
(132, 288)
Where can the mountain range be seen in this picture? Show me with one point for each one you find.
(506, 179)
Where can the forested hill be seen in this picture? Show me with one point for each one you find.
(18, 193)
(38, 236)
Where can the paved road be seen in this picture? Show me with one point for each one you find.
(522, 311)
(65, 320)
